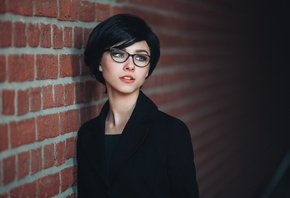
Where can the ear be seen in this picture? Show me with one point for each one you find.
(147, 75)
(100, 68)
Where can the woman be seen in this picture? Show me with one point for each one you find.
(131, 150)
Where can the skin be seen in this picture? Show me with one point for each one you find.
(123, 82)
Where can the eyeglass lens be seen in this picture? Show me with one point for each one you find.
(121, 56)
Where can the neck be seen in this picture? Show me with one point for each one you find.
(121, 108)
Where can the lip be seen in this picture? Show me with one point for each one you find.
(127, 79)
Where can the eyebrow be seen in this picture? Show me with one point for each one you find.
(138, 50)
(141, 50)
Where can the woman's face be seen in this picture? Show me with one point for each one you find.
(126, 77)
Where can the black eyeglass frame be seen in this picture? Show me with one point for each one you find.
(132, 55)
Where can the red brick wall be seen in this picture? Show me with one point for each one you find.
(209, 76)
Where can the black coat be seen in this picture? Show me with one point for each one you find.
(153, 158)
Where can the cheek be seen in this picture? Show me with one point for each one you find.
(105, 65)
(147, 71)
(144, 75)
(105, 61)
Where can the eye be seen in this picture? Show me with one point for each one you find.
(141, 58)
(118, 54)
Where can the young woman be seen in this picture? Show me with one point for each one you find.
(131, 150)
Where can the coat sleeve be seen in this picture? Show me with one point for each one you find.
(181, 168)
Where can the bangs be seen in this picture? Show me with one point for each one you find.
(123, 36)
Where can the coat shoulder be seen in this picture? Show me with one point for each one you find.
(167, 123)
(88, 126)
(169, 120)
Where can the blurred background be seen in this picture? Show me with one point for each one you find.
(223, 71)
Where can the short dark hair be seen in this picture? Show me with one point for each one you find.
(126, 29)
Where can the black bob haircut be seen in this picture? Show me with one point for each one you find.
(122, 29)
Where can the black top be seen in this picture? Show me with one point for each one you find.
(153, 157)
(110, 144)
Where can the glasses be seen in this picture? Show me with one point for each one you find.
(120, 56)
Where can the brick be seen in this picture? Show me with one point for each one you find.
(3, 72)
(4, 195)
(25, 190)
(20, 67)
(59, 95)
(8, 107)
(71, 195)
(22, 132)
(47, 97)
(22, 102)
(121, 9)
(91, 90)
(69, 121)
(86, 11)
(76, 67)
(47, 126)
(1, 172)
(57, 37)
(36, 160)
(67, 178)
(46, 8)
(3, 8)
(88, 113)
(9, 168)
(23, 164)
(46, 66)
(68, 36)
(4, 137)
(35, 98)
(20, 38)
(6, 34)
(45, 35)
(99, 107)
(87, 32)
(48, 156)
(171, 96)
(68, 10)
(85, 71)
(69, 65)
(69, 94)
(48, 186)
(80, 92)
(33, 35)
(60, 153)
(24, 7)
(70, 148)
(103, 11)
(78, 37)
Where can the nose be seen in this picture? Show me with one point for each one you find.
(129, 64)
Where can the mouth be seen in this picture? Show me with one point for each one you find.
(127, 78)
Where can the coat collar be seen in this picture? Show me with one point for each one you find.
(134, 132)
(132, 137)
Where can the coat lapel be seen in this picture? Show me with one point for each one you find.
(134, 132)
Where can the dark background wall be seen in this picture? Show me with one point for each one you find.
(222, 71)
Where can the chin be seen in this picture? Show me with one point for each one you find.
(130, 91)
